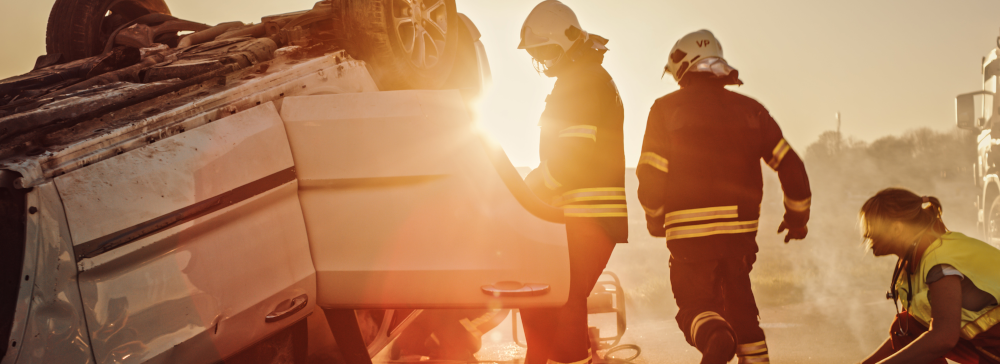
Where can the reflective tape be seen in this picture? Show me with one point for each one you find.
(981, 324)
(708, 213)
(701, 319)
(580, 131)
(755, 359)
(694, 231)
(778, 154)
(593, 194)
(651, 212)
(798, 205)
(653, 160)
(616, 210)
(550, 181)
(751, 348)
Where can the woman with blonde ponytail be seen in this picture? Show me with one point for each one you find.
(947, 283)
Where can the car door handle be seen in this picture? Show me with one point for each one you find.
(515, 289)
(287, 308)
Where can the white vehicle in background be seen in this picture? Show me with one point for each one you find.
(978, 111)
(290, 191)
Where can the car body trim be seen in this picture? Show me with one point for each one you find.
(122, 237)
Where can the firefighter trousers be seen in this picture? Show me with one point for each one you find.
(561, 334)
(715, 295)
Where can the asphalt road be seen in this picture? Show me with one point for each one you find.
(797, 333)
(821, 299)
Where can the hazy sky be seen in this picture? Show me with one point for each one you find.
(887, 66)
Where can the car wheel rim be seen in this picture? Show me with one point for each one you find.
(421, 27)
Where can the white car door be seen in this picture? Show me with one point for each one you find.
(407, 207)
(192, 248)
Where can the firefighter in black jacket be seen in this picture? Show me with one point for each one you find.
(582, 170)
(700, 186)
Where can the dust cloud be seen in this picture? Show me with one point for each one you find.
(822, 299)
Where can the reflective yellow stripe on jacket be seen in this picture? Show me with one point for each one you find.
(653, 160)
(778, 154)
(580, 131)
(715, 228)
(593, 194)
(798, 205)
(708, 213)
(594, 202)
(596, 210)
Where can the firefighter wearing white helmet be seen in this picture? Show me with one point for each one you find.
(552, 35)
(700, 52)
(700, 185)
(582, 170)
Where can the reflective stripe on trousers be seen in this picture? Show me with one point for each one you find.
(755, 359)
(700, 320)
(753, 353)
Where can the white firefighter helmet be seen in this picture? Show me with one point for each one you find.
(550, 22)
(697, 52)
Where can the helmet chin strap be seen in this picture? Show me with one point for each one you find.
(546, 65)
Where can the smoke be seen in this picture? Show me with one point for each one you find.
(825, 292)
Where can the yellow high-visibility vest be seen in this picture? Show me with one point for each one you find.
(975, 259)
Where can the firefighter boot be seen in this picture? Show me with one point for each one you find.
(720, 348)
(713, 337)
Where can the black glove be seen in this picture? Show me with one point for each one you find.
(536, 183)
(655, 226)
(797, 233)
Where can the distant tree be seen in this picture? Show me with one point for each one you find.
(923, 160)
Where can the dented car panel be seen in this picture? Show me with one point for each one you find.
(202, 285)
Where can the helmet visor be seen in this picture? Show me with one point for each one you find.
(546, 52)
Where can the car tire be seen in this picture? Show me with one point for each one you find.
(410, 44)
(992, 226)
(80, 28)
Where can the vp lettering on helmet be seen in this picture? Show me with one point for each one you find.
(697, 51)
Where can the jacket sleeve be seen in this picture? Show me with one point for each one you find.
(780, 156)
(652, 172)
(570, 130)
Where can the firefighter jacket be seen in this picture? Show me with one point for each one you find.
(582, 148)
(700, 180)
(976, 260)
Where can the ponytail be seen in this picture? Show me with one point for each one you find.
(898, 204)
